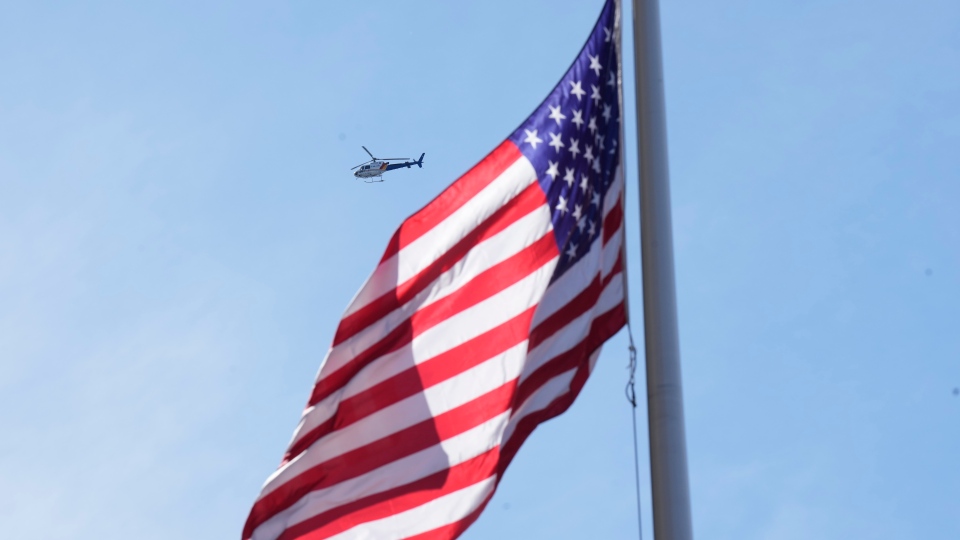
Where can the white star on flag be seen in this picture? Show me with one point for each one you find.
(552, 170)
(555, 141)
(555, 114)
(577, 90)
(578, 118)
(595, 64)
(595, 94)
(532, 138)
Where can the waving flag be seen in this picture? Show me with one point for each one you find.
(482, 320)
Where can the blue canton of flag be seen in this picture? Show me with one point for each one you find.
(573, 141)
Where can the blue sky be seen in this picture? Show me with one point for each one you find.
(179, 234)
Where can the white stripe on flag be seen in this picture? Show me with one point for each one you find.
(434, 514)
(457, 449)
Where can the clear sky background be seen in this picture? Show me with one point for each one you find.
(179, 234)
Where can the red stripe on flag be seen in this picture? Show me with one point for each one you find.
(526, 202)
(560, 363)
(615, 271)
(386, 450)
(612, 221)
(604, 328)
(462, 190)
(396, 500)
(481, 287)
(570, 311)
(420, 377)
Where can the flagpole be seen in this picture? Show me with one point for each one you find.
(668, 451)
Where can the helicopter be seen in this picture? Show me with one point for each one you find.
(377, 166)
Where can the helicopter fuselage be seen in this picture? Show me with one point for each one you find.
(371, 170)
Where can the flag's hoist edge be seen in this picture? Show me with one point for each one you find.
(483, 319)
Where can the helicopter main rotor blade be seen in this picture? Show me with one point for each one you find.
(360, 165)
(392, 158)
(367, 151)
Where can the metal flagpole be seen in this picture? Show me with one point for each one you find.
(668, 449)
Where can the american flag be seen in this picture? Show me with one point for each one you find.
(483, 319)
